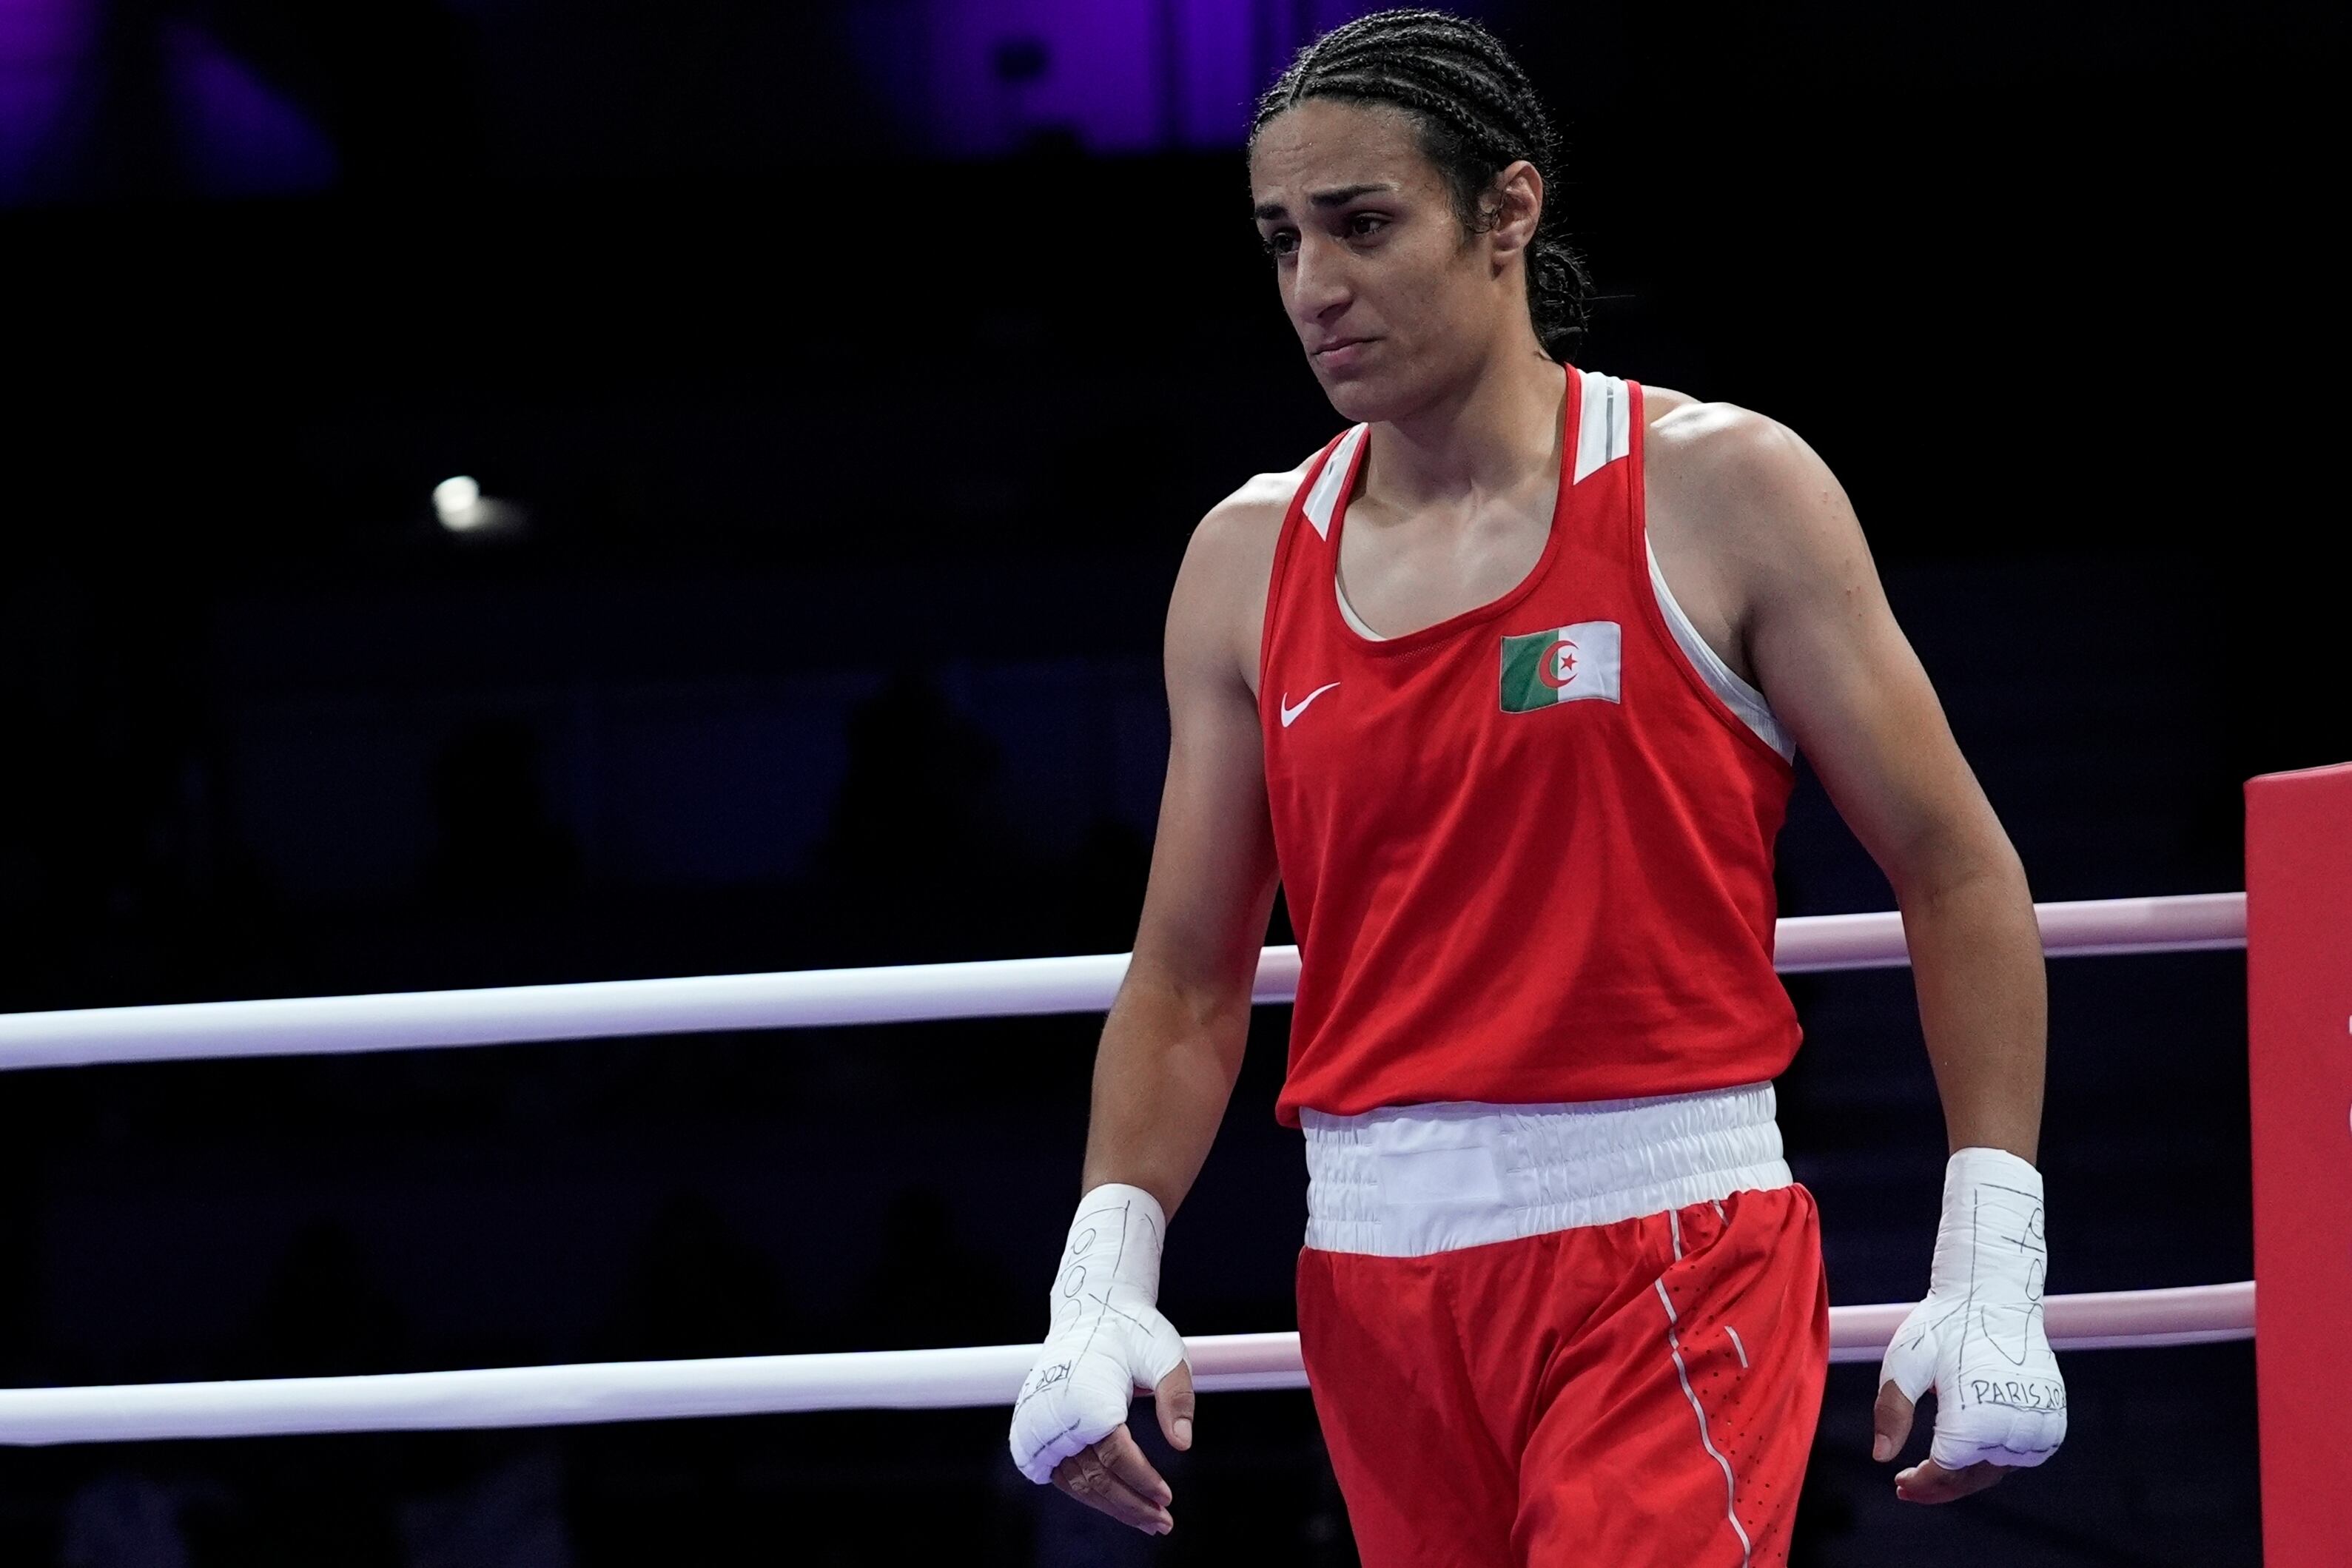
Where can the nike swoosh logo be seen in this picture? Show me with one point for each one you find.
(1290, 715)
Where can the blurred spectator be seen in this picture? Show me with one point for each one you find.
(123, 1519)
(511, 1517)
(698, 1290)
(930, 1289)
(325, 1315)
(917, 861)
(498, 838)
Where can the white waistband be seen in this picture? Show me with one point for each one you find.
(1409, 1180)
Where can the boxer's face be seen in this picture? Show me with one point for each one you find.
(1393, 299)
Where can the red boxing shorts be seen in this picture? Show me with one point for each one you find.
(1640, 1393)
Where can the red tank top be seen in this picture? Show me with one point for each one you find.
(1528, 851)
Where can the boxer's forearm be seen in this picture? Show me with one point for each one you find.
(1975, 959)
(1162, 1077)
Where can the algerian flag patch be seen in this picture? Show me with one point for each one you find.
(1544, 668)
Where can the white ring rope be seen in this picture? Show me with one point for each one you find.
(603, 1009)
(914, 1379)
(880, 1380)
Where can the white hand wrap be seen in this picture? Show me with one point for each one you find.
(1107, 1338)
(1978, 1340)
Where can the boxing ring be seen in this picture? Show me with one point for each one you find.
(557, 1396)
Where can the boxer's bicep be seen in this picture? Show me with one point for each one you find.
(1839, 672)
(1213, 869)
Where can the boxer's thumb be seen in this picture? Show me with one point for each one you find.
(1174, 1399)
(1890, 1423)
(1908, 1372)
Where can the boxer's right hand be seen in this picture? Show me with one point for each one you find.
(1108, 1340)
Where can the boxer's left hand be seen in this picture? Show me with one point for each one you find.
(1978, 1340)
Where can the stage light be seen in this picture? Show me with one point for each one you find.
(457, 502)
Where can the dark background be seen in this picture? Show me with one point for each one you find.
(856, 372)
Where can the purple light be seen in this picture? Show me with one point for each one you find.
(971, 78)
(232, 134)
(1219, 67)
(45, 46)
(236, 136)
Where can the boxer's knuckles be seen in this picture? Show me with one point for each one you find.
(2005, 1412)
(1073, 1400)
(1990, 1434)
(1077, 1403)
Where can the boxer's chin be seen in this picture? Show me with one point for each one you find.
(1362, 391)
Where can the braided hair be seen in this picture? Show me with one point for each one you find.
(1476, 113)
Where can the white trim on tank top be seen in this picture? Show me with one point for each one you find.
(1738, 695)
(1604, 426)
(1324, 498)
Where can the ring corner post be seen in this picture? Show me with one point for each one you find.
(2299, 1064)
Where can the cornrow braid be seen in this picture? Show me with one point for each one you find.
(1476, 113)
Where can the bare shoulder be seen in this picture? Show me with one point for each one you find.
(1245, 525)
(1718, 443)
(1745, 484)
(1659, 402)
(1220, 598)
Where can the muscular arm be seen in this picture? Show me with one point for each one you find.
(1173, 1045)
(1816, 631)
(1814, 624)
